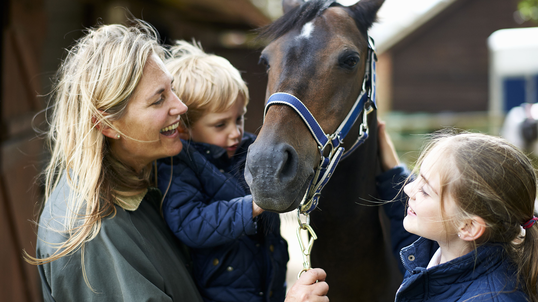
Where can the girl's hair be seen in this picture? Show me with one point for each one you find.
(492, 179)
(94, 85)
(204, 82)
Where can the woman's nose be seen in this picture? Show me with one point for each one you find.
(178, 107)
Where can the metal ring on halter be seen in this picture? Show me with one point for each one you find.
(322, 149)
(363, 128)
(307, 216)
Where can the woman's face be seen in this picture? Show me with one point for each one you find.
(148, 129)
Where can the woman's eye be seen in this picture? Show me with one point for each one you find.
(239, 119)
(220, 125)
(159, 101)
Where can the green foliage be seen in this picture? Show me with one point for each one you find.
(528, 10)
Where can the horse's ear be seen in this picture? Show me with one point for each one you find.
(288, 5)
(365, 11)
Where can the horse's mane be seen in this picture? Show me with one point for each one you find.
(295, 18)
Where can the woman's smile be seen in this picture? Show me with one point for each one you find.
(170, 130)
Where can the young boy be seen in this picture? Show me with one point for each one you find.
(237, 250)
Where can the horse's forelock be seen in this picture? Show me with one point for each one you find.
(295, 18)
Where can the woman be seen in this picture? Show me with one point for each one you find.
(100, 233)
(101, 236)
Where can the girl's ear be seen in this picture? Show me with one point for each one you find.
(473, 229)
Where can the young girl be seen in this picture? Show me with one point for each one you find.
(237, 255)
(472, 203)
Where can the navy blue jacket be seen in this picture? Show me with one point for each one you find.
(482, 275)
(208, 206)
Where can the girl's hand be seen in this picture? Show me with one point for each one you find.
(310, 287)
(388, 156)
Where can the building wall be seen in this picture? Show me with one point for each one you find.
(443, 65)
(20, 153)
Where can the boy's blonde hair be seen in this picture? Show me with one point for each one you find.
(204, 82)
(492, 179)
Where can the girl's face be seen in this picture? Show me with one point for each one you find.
(151, 117)
(223, 129)
(424, 210)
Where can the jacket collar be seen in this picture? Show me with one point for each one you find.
(217, 152)
(130, 203)
(467, 267)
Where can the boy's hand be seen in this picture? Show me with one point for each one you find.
(310, 287)
(389, 158)
(256, 210)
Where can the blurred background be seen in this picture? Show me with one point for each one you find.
(461, 63)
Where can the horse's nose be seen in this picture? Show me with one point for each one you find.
(272, 173)
(285, 161)
(277, 162)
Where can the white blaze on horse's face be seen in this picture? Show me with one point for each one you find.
(307, 30)
(347, 2)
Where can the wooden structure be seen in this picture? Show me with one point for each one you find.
(34, 36)
(442, 65)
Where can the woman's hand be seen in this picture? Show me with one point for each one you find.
(310, 287)
(387, 152)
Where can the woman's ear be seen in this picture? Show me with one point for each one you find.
(105, 129)
(473, 229)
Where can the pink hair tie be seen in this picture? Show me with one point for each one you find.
(529, 223)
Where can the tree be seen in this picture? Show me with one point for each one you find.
(528, 10)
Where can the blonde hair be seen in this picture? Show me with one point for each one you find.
(492, 179)
(204, 82)
(95, 83)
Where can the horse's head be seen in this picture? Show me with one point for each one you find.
(318, 53)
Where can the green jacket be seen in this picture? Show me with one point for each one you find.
(134, 257)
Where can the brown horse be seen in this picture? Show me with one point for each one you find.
(318, 52)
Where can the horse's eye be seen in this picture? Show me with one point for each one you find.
(264, 62)
(351, 61)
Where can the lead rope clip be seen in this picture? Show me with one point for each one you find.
(310, 237)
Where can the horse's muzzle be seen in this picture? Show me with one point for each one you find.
(276, 176)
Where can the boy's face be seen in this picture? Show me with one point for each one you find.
(223, 129)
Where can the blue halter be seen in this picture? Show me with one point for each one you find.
(366, 102)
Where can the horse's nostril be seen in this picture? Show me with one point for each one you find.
(288, 165)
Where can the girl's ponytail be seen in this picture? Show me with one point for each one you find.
(528, 262)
